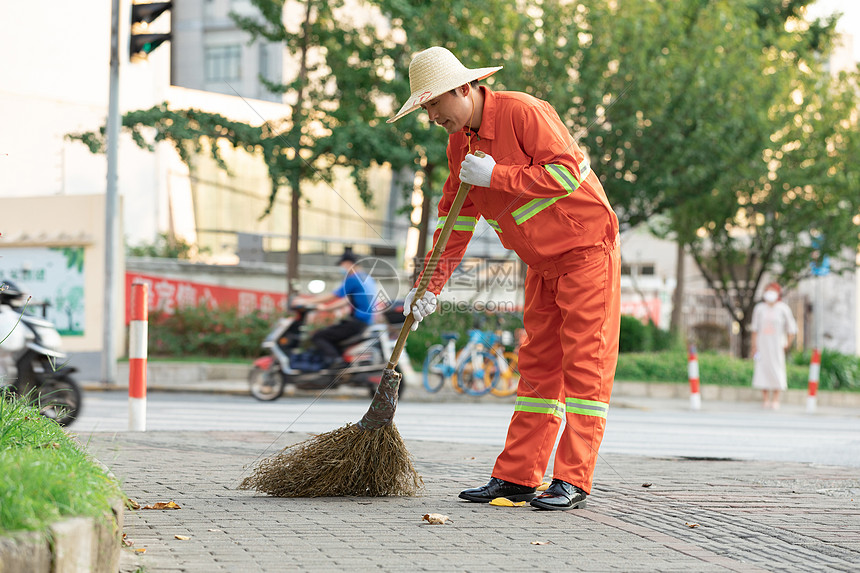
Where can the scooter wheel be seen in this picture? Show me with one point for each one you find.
(266, 385)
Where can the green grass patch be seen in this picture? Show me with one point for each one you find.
(44, 474)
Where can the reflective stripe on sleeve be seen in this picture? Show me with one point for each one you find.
(495, 225)
(586, 407)
(568, 182)
(463, 223)
(539, 406)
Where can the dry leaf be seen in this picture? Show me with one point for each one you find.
(131, 504)
(543, 486)
(182, 537)
(541, 542)
(126, 541)
(436, 518)
(505, 502)
(140, 550)
(162, 505)
(213, 530)
(646, 485)
(688, 524)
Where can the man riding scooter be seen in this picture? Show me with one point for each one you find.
(359, 290)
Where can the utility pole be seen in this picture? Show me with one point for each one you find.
(111, 222)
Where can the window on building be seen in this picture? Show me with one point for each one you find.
(646, 270)
(223, 63)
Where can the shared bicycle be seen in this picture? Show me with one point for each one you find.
(481, 367)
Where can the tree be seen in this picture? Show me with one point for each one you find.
(334, 101)
(694, 111)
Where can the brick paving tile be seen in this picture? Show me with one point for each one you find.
(747, 517)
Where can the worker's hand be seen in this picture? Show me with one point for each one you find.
(477, 171)
(421, 308)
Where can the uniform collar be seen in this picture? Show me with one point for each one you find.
(488, 119)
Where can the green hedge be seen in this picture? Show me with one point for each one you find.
(198, 331)
(723, 370)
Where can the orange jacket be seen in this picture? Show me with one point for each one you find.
(543, 201)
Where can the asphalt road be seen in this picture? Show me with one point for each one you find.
(654, 428)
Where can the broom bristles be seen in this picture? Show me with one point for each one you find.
(349, 461)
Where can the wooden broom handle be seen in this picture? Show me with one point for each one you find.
(430, 267)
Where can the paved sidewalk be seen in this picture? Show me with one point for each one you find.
(696, 515)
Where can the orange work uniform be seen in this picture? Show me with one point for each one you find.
(547, 205)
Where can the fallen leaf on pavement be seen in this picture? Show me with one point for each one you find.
(541, 542)
(162, 505)
(505, 502)
(131, 504)
(646, 485)
(126, 541)
(140, 550)
(436, 518)
(688, 524)
(543, 486)
(182, 537)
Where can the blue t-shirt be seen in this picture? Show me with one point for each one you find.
(361, 290)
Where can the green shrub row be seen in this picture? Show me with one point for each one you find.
(44, 474)
(839, 372)
(199, 331)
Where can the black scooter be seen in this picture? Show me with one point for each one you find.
(31, 361)
(294, 360)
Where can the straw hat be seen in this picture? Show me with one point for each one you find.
(434, 72)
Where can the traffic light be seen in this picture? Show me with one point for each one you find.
(142, 43)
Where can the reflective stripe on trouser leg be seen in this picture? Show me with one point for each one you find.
(540, 406)
(572, 321)
(590, 302)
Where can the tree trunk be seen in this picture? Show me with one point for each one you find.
(298, 121)
(676, 324)
(426, 205)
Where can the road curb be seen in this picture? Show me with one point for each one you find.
(72, 545)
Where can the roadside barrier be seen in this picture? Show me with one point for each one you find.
(137, 344)
(814, 373)
(693, 375)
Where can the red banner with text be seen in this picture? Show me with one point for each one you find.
(166, 295)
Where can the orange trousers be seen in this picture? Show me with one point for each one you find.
(567, 365)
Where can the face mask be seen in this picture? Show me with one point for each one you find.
(770, 296)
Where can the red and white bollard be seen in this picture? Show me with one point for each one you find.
(814, 374)
(137, 344)
(693, 375)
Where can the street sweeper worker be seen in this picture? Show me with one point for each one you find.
(536, 189)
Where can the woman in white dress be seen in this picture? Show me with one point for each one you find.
(773, 329)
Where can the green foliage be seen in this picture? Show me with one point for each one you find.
(44, 474)
(838, 371)
(716, 369)
(163, 247)
(639, 337)
(201, 332)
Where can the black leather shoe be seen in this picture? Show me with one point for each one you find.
(560, 495)
(498, 488)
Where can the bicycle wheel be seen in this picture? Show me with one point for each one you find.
(478, 374)
(434, 368)
(509, 377)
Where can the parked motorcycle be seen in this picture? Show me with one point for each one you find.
(294, 360)
(32, 363)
